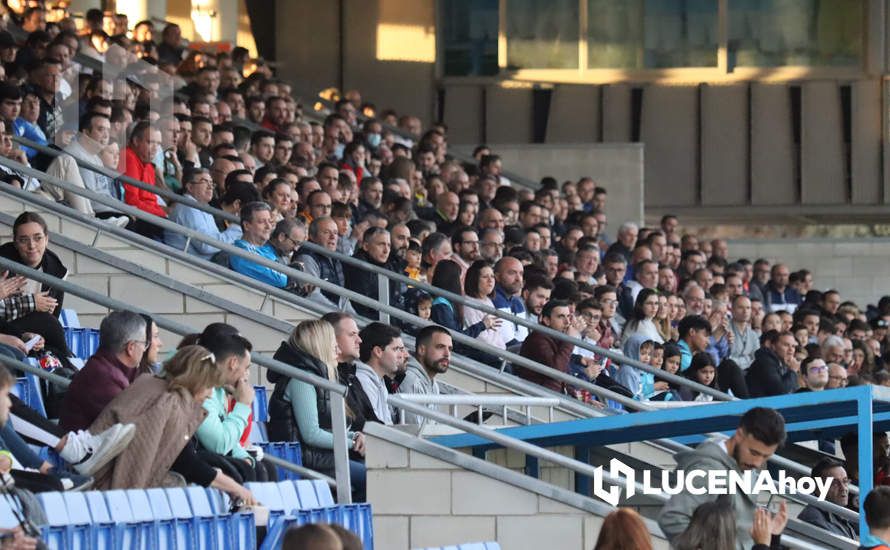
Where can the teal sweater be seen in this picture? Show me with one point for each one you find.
(303, 402)
(221, 430)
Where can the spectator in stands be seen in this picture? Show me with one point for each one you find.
(744, 339)
(348, 340)
(547, 350)
(838, 493)
(223, 433)
(815, 374)
(114, 366)
(877, 516)
(642, 320)
(375, 250)
(136, 163)
(10, 109)
(44, 76)
(286, 239)
(170, 49)
(381, 354)
(626, 240)
(479, 288)
(779, 295)
(774, 370)
(837, 377)
(256, 224)
(447, 313)
(703, 371)
(623, 529)
(162, 407)
(150, 362)
(761, 431)
(694, 331)
(436, 247)
(301, 412)
(713, 525)
(323, 232)
(433, 350)
(508, 273)
(312, 536)
(198, 187)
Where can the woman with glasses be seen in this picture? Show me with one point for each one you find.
(39, 304)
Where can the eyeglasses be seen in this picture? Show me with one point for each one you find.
(24, 241)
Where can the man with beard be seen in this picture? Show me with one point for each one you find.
(547, 350)
(760, 432)
(374, 250)
(508, 276)
(399, 238)
(433, 349)
(465, 248)
(774, 370)
(380, 357)
(535, 294)
(838, 493)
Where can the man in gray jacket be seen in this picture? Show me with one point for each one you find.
(760, 432)
(433, 349)
(380, 355)
(744, 340)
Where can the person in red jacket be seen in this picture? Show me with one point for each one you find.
(136, 162)
(547, 350)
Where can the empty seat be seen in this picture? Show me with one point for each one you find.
(276, 532)
(323, 490)
(131, 533)
(198, 530)
(167, 532)
(85, 532)
(308, 497)
(105, 532)
(288, 451)
(69, 319)
(260, 404)
(57, 533)
(142, 512)
(241, 525)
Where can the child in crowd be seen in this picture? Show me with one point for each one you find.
(413, 270)
(640, 348)
(701, 370)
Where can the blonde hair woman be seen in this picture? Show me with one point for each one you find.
(167, 410)
(299, 411)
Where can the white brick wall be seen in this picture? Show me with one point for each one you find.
(420, 501)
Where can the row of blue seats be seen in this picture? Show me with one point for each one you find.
(174, 518)
(27, 388)
(83, 342)
(185, 518)
(300, 502)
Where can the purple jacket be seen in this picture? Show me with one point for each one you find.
(91, 389)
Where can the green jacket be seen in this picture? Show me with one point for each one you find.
(221, 430)
(676, 514)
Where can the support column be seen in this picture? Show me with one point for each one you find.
(215, 20)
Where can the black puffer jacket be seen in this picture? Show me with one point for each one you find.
(51, 265)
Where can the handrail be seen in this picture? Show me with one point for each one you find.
(165, 193)
(484, 400)
(322, 284)
(156, 220)
(472, 367)
(551, 456)
(15, 364)
(337, 391)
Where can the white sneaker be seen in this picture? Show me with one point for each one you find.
(120, 221)
(104, 447)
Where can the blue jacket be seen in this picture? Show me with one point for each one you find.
(255, 270)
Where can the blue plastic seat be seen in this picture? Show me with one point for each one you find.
(35, 400)
(307, 494)
(241, 525)
(275, 534)
(69, 319)
(142, 513)
(258, 434)
(219, 526)
(323, 490)
(168, 533)
(288, 451)
(105, 532)
(133, 530)
(57, 533)
(198, 531)
(260, 404)
(267, 494)
(85, 534)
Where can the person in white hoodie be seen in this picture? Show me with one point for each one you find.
(380, 354)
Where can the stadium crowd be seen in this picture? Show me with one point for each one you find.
(376, 185)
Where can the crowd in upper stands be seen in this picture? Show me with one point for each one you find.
(218, 129)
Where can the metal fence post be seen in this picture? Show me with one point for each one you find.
(383, 295)
(341, 448)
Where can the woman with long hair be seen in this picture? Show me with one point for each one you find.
(642, 320)
(623, 529)
(278, 195)
(863, 359)
(150, 363)
(479, 288)
(167, 411)
(299, 411)
(702, 369)
(662, 319)
(713, 527)
(450, 315)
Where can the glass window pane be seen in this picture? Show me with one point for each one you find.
(651, 34)
(775, 33)
(469, 36)
(542, 34)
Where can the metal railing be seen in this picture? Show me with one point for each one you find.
(382, 284)
(585, 469)
(336, 390)
(474, 368)
(481, 403)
